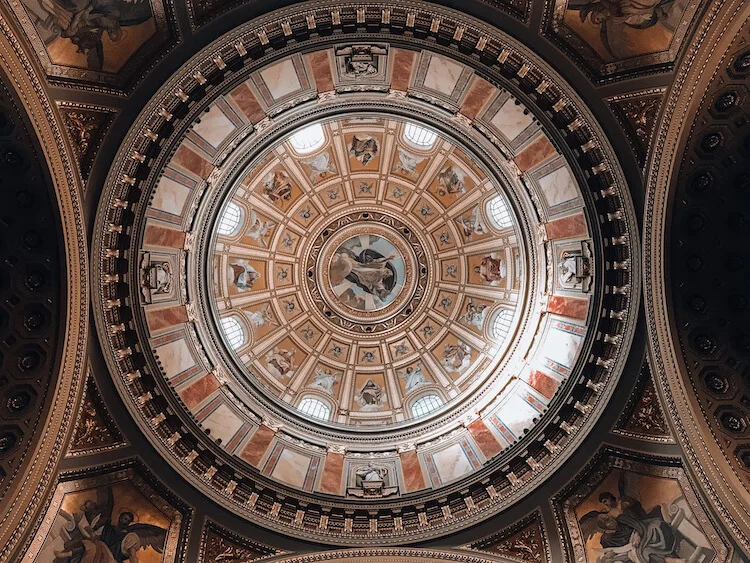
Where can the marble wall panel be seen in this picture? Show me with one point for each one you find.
(223, 423)
(175, 357)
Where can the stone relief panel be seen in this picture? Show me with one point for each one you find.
(526, 542)
(95, 431)
(637, 113)
(613, 39)
(110, 514)
(626, 507)
(86, 126)
(219, 545)
(643, 417)
(104, 42)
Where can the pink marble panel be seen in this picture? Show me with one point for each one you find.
(248, 103)
(484, 438)
(197, 392)
(568, 306)
(412, 469)
(403, 62)
(542, 382)
(163, 318)
(191, 160)
(477, 97)
(567, 227)
(539, 150)
(321, 68)
(333, 470)
(160, 236)
(256, 447)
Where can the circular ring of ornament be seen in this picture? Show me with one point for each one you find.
(235, 438)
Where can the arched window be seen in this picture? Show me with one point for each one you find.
(497, 209)
(230, 220)
(233, 332)
(314, 408)
(425, 405)
(419, 136)
(501, 324)
(308, 139)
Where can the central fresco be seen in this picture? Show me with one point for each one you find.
(373, 273)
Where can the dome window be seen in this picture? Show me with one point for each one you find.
(314, 408)
(497, 209)
(501, 325)
(308, 139)
(419, 136)
(425, 405)
(233, 332)
(229, 222)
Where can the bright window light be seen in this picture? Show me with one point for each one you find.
(501, 325)
(229, 222)
(308, 139)
(314, 408)
(499, 213)
(425, 405)
(233, 332)
(419, 136)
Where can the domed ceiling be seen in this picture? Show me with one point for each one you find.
(369, 276)
(367, 272)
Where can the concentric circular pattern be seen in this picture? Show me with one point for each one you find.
(410, 261)
(710, 258)
(30, 303)
(378, 294)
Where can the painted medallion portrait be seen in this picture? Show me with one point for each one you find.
(367, 272)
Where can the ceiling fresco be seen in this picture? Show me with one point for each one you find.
(366, 281)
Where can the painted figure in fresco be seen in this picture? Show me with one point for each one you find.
(91, 536)
(84, 22)
(451, 181)
(369, 269)
(413, 377)
(260, 317)
(474, 314)
(259, 229)
(472, 224)
(364, 149)
(628, 532)
(407, 163)
(371, 397)
(277, 186)
(325, 381)
(614, 17)
(320, 165)
(456, 357)
(280, 362)
(492, 270)
(244, 275)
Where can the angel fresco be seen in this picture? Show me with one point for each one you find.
(85, 24)
(407, 163)
(630, 27)
(243, 275)
(90, 535)
(628, 532)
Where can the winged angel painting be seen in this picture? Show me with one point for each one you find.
(109, 524)
(97, 35)
(638, 518)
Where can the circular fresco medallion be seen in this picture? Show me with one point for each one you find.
(366, 272)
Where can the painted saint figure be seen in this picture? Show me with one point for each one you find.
(371, 397)
(474, 315)
(280, 362)
(368, 269)
(244, 275)
(364, 149)
(325, 381)
(413, 378)
(451, 181)
(492, 270)
(407, 163)
(456, 357)
(277, 186)
(472, 224)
